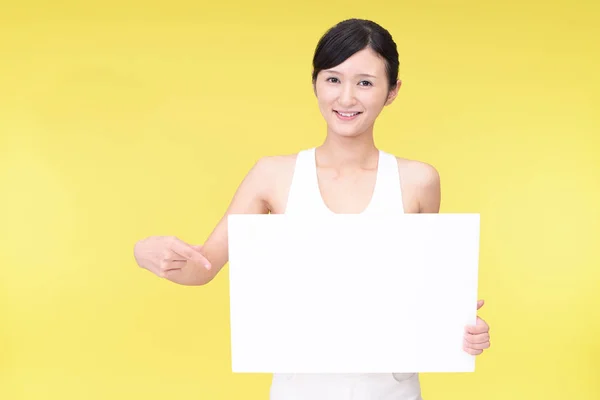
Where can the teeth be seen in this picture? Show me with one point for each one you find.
(347, 114)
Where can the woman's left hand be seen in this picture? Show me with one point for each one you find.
(477, 338)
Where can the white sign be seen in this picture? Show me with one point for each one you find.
(352, 293)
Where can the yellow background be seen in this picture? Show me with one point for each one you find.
(121, 120)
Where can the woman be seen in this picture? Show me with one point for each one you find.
(354, 78)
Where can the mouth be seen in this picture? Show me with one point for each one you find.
(347, 115)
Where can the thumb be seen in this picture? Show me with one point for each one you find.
(480, 304)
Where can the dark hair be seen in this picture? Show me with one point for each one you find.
(351, 36)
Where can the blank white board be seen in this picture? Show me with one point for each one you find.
(352, 293)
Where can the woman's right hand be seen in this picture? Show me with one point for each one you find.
(171, 258)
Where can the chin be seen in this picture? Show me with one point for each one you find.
(347, 128)
(346, 131)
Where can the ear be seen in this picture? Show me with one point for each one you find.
(393, 92)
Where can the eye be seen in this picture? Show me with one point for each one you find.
(365, 83)
(333, 80)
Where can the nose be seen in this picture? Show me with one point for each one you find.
(346, 98)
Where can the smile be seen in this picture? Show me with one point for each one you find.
(347, 115)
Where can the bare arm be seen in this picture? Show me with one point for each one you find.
(429, 190)
(250, 198)
(184, 264)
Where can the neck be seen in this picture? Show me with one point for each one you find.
(348, 152)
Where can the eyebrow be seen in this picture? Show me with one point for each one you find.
(339, 73)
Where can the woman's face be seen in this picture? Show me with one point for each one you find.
(352, 94)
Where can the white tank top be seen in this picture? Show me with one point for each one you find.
(305, 198)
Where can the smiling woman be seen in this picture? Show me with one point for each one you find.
(355, 75)
(354, 78)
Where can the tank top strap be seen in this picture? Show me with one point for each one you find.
(387, 197)
(301, 196)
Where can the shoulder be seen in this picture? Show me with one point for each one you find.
(270, 177)
(274, 167)
(271, 164)
(268, 170)
(423, 180)
(418, 173)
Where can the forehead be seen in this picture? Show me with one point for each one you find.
(365, 61)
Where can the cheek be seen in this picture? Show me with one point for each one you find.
(323, 106)
(325, 99)
(374, 101)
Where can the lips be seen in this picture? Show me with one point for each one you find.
(347, 115)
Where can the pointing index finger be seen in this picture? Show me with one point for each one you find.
(182, 249)
(189, 253)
